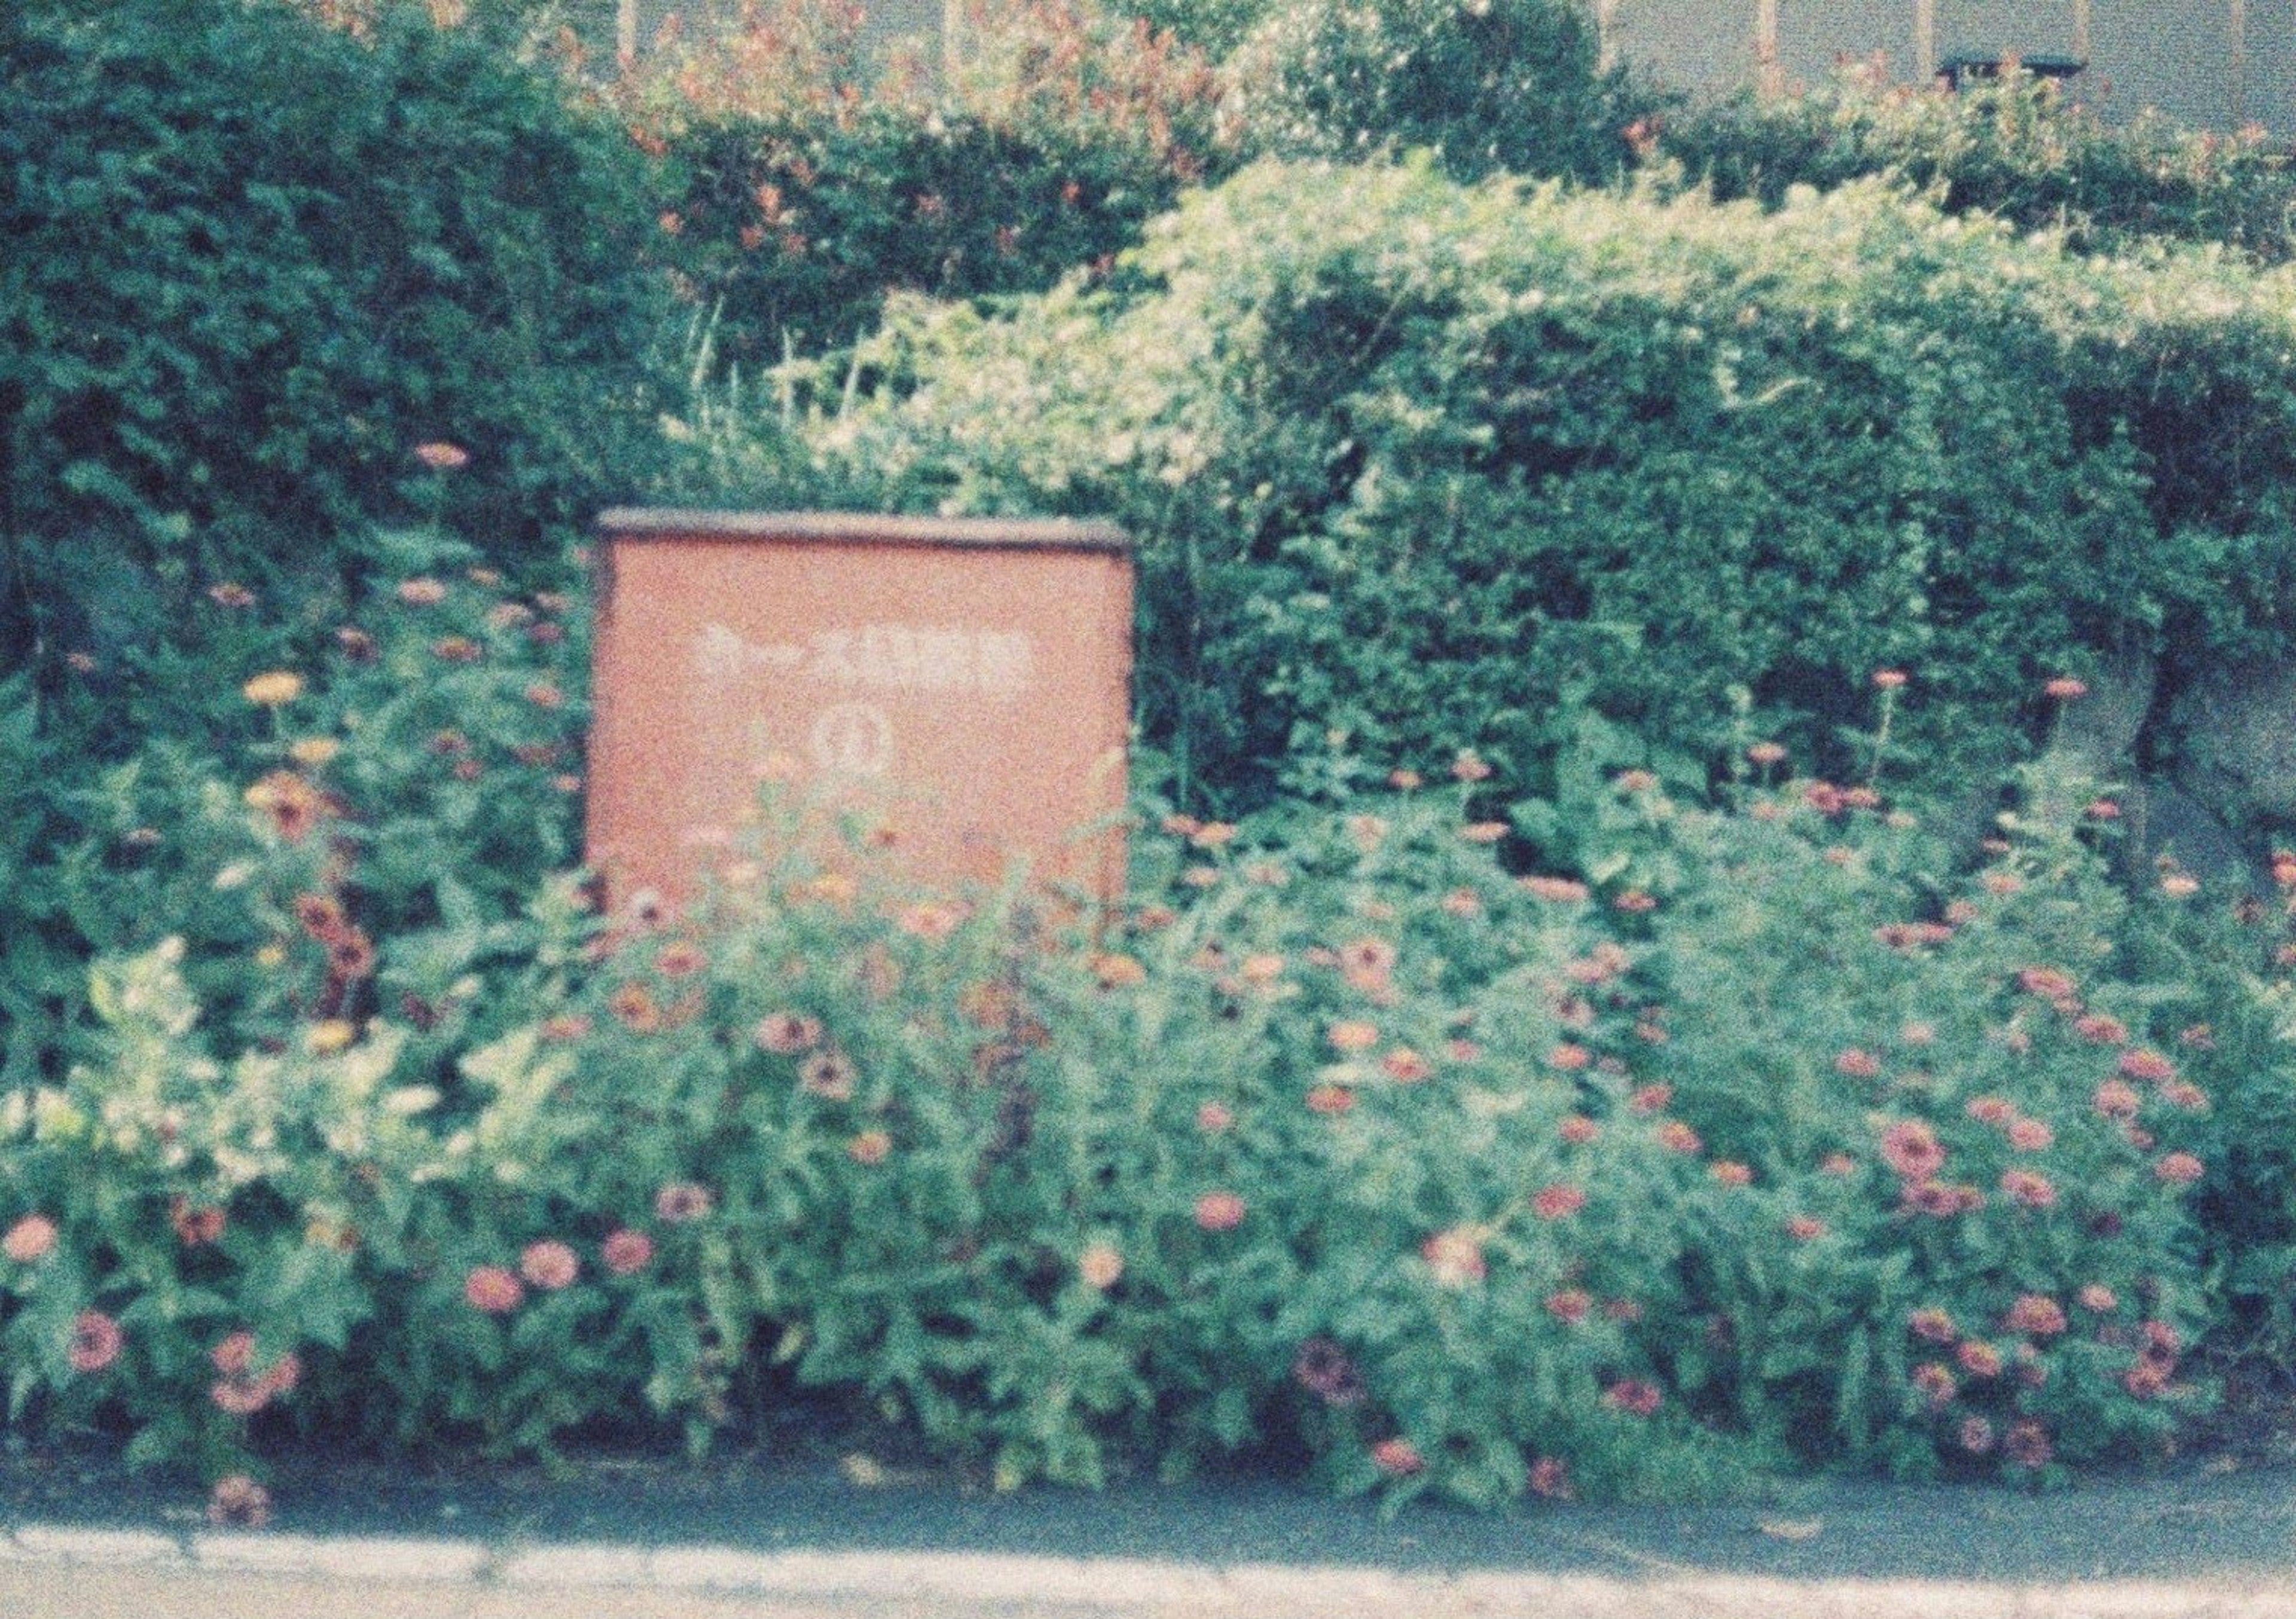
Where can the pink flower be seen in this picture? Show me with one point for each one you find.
(1213, 1117)
(1632, 1396)
(96, 1341)
(1679, 1137)
(1976, 1436)
(239, 1500)
(2098, 1299)
(2046, 982)
(1578, 1129)
(1398, 1457)
(2030, 1135)
(828, 1074)
(1559, 890)
(626, 1252)
(1889, 680)
(2100, 1029)
(2028, 1445)
(1979, 1359)
(2036, 1314)
(1456, 1256)
(1990, 1109)
(2026, 1187)
(1330, 1099)
(442, 456)
(2145, 1380)
(1323, 1368)
(493, 1289)
(1550, 1478)
(787, 1033)
(1805, 1228)
(2064, 687)
(1857, 1064)
(1557, 1202)
(2142, 1063)
(1911, 1150)
(2116, 1099)
(243, 1391)
(1569, 1305)
(30, 1240)
(1404, 1065)
(2179, 1168)
(681, 1201)
(1569, 1056)
(1220, 1211)
(1934, 1381)
(549, 1265)
(1932, 1324)
(1650, 1099)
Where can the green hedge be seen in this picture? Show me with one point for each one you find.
(1495, 84)
(1416, 467)
(2019, 148)
(253, 262)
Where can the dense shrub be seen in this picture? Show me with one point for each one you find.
(800, 185)
(2019, 148)
(1415, 465)
(1510, 84)
(1338, 1144)
(253, 262)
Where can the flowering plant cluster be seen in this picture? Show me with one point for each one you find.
(1729, 1143)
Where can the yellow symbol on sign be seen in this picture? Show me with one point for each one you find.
(853, 740)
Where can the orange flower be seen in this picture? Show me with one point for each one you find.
(1099, 1266)
(1353, 1035)
(1220, 1211)
(273, 689)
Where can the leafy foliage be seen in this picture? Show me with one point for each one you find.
(799, 187)
(1417, 466)
(1489, 85)
(2018, 148)
(255, 261)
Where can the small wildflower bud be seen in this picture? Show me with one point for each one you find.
(2064, 687)
(1889, 680)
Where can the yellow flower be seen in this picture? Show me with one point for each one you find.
(325, 1039)
(273, 688)
(271, 956)
(315, 750)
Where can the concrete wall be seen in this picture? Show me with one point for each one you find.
(2176, 56)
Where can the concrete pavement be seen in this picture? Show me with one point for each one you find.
(813, 1540)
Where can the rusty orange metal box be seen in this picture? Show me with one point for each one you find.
(970, 678)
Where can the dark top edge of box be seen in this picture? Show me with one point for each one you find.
(862, 528)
